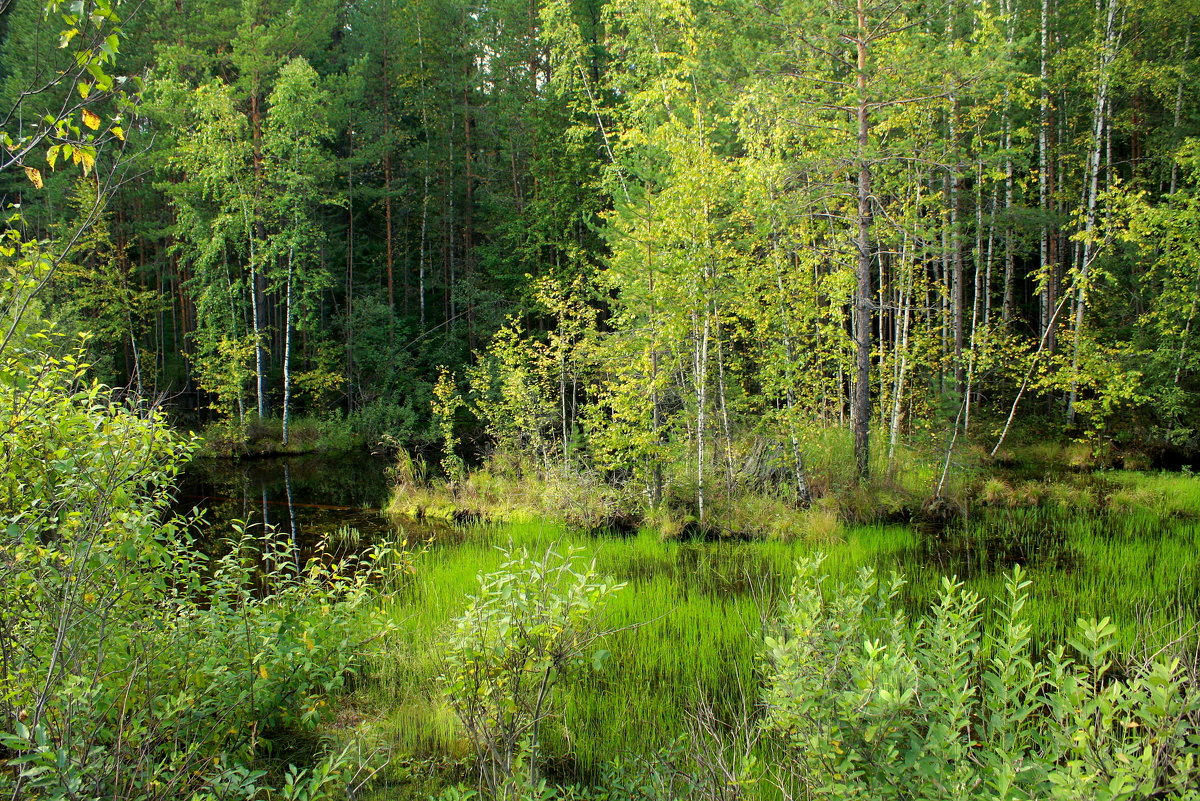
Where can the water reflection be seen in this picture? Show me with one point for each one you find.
(308, 498)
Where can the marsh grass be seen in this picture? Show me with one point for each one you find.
(691, 615)
(328, 433)
(742, 504)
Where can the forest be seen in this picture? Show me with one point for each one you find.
(674, 326)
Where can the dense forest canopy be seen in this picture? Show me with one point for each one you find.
(636, 232)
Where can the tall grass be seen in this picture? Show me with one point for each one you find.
(740, 501)
(692, 612)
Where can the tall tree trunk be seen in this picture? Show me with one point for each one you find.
(350, 272)
(860, 407)
(799, 475)
(389, 250)
(906, 293)
(701, 331)
(256, 303)
(287, 351)
(387, 211)
(957, 302)
(1088, 252)
(257, 280)
(1045, 296)
(721, 398)
(1183, 64)
(656, 472)
(1006, 305)
(982, 264)
(468, 251)
(424, 248)
(425, 184)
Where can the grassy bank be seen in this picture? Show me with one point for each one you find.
(264, 437)
(751, 495)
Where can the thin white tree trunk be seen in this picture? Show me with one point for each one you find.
(1187, 48)
(259, 371)
(906, 293)
(287, 351)
(1107, 54)
(700, 378)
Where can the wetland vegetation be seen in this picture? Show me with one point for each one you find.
(656, 400)
(687, 648)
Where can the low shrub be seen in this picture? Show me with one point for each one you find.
(384, 422)
(132, 665)
(866, 704)
(191, 671)
(534, 621)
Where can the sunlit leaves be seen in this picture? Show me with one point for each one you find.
(534, 621)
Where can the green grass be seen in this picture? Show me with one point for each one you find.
(691, 612)
(1158, 493)
(264, 437)
(520, 489)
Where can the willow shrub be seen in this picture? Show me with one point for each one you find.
(131, 665)
(865, 704)
(534, 621)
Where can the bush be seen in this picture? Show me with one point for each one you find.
(132, 666)
(176, 682)
(532, 623)
(384, 422)
(867, 705)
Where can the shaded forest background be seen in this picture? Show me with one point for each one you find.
(639, 233)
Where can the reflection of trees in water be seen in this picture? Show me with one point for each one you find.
(992, 543)
(359, 482)
(308, 498)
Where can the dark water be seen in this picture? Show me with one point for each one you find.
(309, 498)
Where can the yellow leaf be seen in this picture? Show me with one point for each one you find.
(90, 120)
(88, 157)
(34, 176)
(262, 671)
(118, 132)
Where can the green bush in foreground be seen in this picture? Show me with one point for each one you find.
(532, 622)
(868, 705)
(132, 667)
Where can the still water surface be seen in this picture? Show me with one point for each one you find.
(308, 497)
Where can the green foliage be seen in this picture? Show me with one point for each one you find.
(446, 403)
(871, 705)
(132, 665)
(96, 290)
(534, 622)
(385, 421)
(512, 395)
(128, 661)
